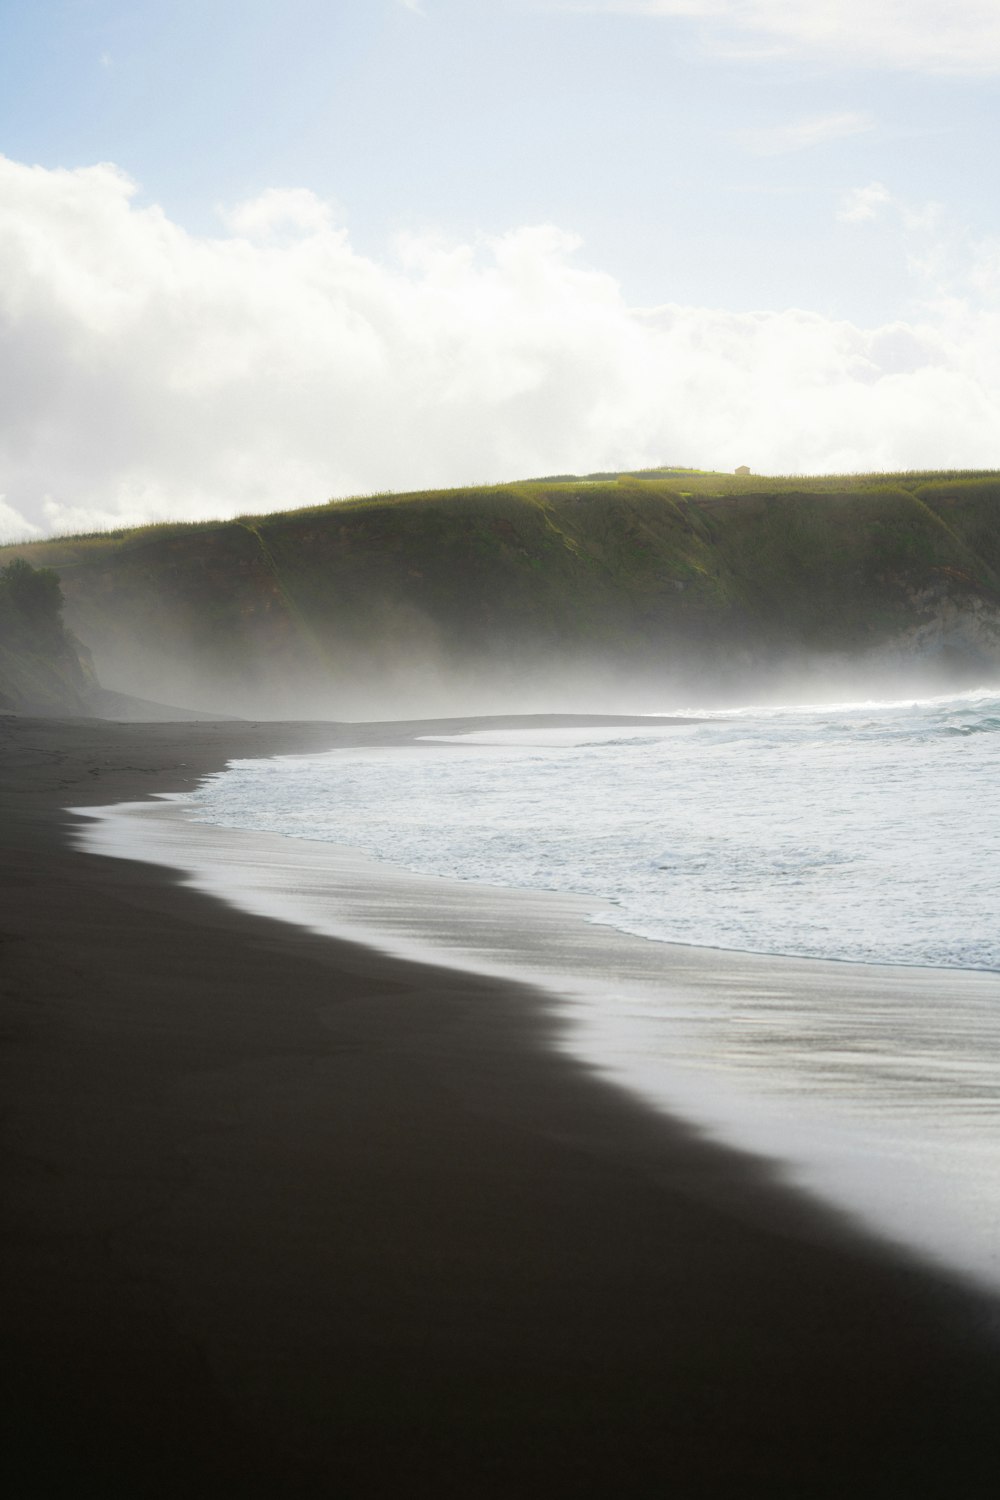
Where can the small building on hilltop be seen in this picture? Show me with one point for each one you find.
(743, 471)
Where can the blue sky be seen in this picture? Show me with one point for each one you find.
(727, 205)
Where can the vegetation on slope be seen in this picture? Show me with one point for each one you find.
(42, 668)
(669, 570)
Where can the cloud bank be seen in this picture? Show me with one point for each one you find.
(935, 36)
(148, 373)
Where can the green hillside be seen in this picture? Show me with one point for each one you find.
(42, 668)
(667, 577)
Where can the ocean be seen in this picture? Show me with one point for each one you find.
(779, 923)
(865, 832)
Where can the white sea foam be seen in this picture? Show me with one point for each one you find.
(867, 832)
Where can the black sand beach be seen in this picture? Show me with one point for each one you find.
(284, 1216)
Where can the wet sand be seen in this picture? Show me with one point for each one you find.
(285, 1216)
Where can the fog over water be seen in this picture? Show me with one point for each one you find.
(421, 671)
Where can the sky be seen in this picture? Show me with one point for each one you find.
(260, 253)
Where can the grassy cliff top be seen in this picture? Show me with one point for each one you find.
(658, 568)
(706, 488)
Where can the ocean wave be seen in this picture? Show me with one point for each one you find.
(857, 834)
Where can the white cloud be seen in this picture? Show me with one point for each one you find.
(13, 526)
(874, 201)
(151, 373)
(936, 36)
(800, 135)
(864, 203)
(294, 210)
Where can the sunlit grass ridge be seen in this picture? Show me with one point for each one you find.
(658, 567)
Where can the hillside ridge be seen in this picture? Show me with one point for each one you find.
(677, 578)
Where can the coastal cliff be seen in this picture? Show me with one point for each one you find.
(44, 669)
(673, 578)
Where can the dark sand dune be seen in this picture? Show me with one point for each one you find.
(283, 1216)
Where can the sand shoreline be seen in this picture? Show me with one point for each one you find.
(867, 1087)
(284, 1215)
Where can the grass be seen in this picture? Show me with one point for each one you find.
(630, 563)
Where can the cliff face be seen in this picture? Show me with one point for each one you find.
(545, 592)
(43, 668)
